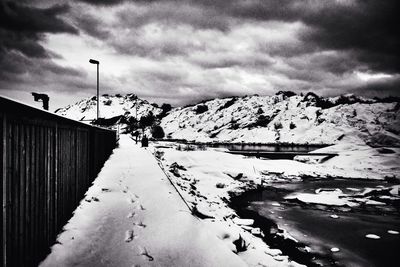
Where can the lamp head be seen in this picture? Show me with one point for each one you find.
(93, 61)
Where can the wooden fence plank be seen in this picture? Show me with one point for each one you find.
(9, 174)
(28, 204)
(4, 153)
(21, 180)
(15, 196)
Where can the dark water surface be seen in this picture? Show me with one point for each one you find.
(273, 147)
(268, 147)
(314, 226)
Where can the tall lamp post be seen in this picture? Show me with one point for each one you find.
(92, 61)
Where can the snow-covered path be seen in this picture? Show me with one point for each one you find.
(132, 216)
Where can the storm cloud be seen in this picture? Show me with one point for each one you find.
(181, 51)
(26, 64)
(21, 27)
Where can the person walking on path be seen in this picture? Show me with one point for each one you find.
(145, 141)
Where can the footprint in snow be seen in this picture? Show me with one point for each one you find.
(132, 196)
(144, 252)
(131, 214)
(140, 224)
(92, 199)
(129, 236)
(130, 200)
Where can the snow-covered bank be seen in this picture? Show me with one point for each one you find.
(206, 179)
(360, 161)
(132, 216)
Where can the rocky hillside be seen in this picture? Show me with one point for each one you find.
(110, 107)
(290, 118)
(284, 117)
(128, 112)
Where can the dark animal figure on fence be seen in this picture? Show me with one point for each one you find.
(45, 99)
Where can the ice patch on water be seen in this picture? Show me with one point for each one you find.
(335, 250)
(239, 221)
(320, 190)
(372, 236)
(373, 202)
(333, 197)
(353, 189)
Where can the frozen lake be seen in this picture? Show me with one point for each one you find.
(323, 227)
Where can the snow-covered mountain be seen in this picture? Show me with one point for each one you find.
(287, 117)
(284, 117)
(128, 106)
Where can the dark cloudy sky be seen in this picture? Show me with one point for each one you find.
(182, 51)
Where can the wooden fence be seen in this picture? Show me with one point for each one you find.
(47, 164)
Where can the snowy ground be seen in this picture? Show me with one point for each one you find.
(205, 179)
(132, 216)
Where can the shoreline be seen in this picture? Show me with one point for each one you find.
(272, 235)
(227, 142)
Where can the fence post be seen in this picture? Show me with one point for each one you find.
(56, 178)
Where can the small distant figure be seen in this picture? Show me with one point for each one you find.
(145, 141)
(136, 134)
